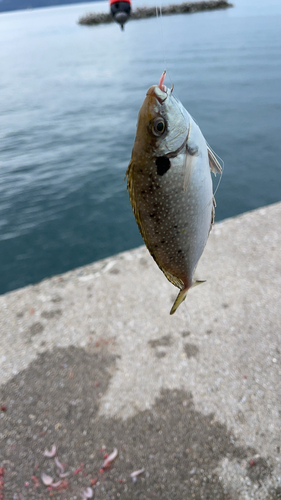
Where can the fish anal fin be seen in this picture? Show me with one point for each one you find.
(214, 163)
(170, 277)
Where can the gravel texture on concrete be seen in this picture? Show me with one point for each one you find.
(91, 361)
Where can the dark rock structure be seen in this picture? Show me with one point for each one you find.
(144, 12)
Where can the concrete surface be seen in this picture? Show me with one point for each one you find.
(92, 360)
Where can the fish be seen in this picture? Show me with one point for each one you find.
(170, 186)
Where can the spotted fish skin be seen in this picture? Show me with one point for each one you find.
(170, 186)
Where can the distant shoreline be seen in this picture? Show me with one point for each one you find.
(7, 6)
(145, 12)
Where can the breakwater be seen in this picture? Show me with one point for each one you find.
(145, 12)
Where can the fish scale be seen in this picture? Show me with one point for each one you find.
(170, 186)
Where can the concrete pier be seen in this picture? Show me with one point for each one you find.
(91, 361)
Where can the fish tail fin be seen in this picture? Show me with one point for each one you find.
(180, 298)
(182, 294)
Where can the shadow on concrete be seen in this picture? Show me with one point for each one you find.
(56, 400)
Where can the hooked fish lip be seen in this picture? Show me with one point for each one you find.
(151, 92)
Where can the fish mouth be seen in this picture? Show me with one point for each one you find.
(159, 94)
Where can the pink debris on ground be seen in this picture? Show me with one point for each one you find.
(137, 473)
(88, 493)
(80, 468)
(51, 453)
(106, 464)
(59, 465)
(47, 480)
(36, 482)
(57, 484)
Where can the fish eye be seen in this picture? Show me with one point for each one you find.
(159, 126)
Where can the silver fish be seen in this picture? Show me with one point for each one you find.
(170, 184)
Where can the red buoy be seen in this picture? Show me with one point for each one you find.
(120, 11)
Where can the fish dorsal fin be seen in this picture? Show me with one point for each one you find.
(214, 163)
(129, 175)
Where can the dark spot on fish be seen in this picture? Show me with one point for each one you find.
(163, 164)
(175, 227)
(179, 251)
(191, 350)
(225, 305)
(152, 215)
(163, 241)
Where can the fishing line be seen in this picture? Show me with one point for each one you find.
(221, 162)
(160, 19)
(159, 16)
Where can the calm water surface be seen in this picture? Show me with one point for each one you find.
(69, 98)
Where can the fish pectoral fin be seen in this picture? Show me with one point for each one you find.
(214, 163)
(182, 295)
(190, 163)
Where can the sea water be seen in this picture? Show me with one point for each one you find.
(69, 99)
